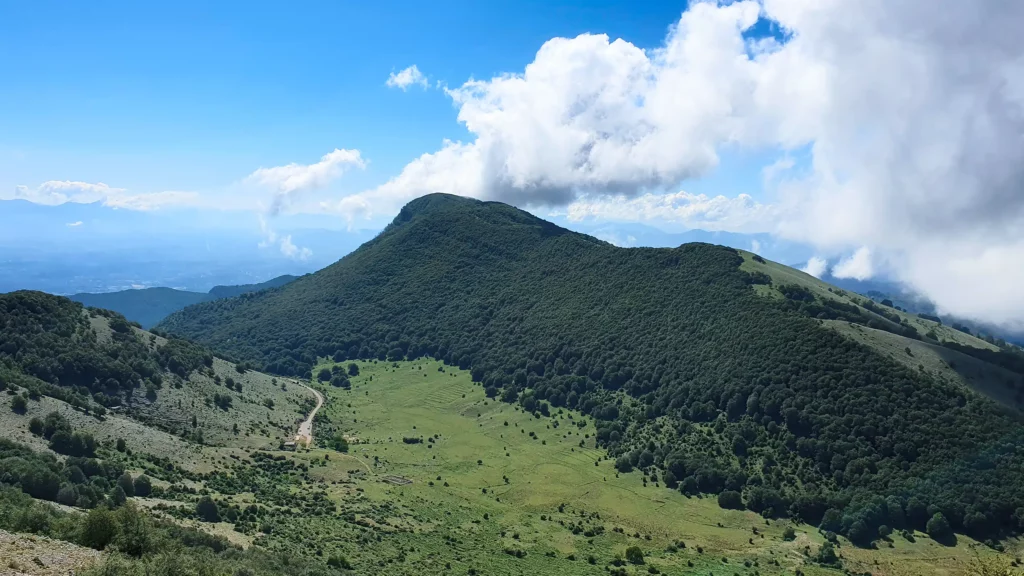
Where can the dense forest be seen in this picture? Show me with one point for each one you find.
(49, 346)
(693, 378)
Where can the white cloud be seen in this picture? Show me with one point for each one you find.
(755, 246)
(284, 243)
(911, 113)
(857, 266)
(741, 213)
(406, 78)
(56, 192)
(290, 179)
(74, 224)
(815, 266)
(292, 251)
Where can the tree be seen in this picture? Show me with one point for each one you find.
(634, 555)
(98, 528)
(118, 496)
(143, 486)
(207, 510)
(730, 500)
(127, 484)
(938, 528)
(35, 426)
(19, 405)
(353, 369)
(121, 445)
(827, 554)
(133, 531)
(339, 443)
(323, 375)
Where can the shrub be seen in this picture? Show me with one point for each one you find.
(98, 529)
(206, 510)
(35, 426)
(353, 369)
(143, 486)
(634, 555)
(19, 405)
(730, 500)
(127, 484)
(323, 375)
(339, 561)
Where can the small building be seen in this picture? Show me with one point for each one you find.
(289, 446)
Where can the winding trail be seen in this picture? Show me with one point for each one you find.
(305, 435)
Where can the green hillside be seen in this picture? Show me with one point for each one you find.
(148, 306)
(714, 377)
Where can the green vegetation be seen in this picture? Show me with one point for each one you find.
(148, 306)
(691, 373)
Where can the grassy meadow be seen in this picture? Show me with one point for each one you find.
(490, 489)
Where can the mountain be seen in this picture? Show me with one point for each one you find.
(148, 306)
(100, 416)
(712, 368)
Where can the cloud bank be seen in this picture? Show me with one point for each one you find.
(288, 180)
(56, 192)
(912, 114)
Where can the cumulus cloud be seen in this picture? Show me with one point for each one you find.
(911, 114)
(290, 179)
(857, 266)
(815, 266)
(56, 192)
(406, 78)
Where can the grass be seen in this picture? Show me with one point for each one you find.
(552, 484)
(489, 489)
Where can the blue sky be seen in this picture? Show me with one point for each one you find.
(193, 95)
(886, 159)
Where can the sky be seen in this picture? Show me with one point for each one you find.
(886, 136)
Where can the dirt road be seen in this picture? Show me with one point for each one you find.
(305, 435)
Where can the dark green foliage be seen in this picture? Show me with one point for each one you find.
(143, 486)
(127, 484)
(552, 318)
(939, 529)
(827, 554)
(353, 369)
(323, 375)
(18, 404)
(731, 500)
(222, 401)
(634, 555)
(207, 510)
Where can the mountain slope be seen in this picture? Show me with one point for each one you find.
(111, 379)
(691, 373)
(148, 306)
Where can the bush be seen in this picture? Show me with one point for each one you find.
(323, 375)
(938, 528)
(19, 405)
(634, 555)
(206, 510)
(789, 534)
(353, 369)
(35, 426)
(127, 484)
(730, 500)
(339, 561)
(98, 529)
(143, 486)
(827, 554)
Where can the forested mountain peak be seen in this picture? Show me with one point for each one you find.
(692, 363)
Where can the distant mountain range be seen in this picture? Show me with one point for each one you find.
(148, 306)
